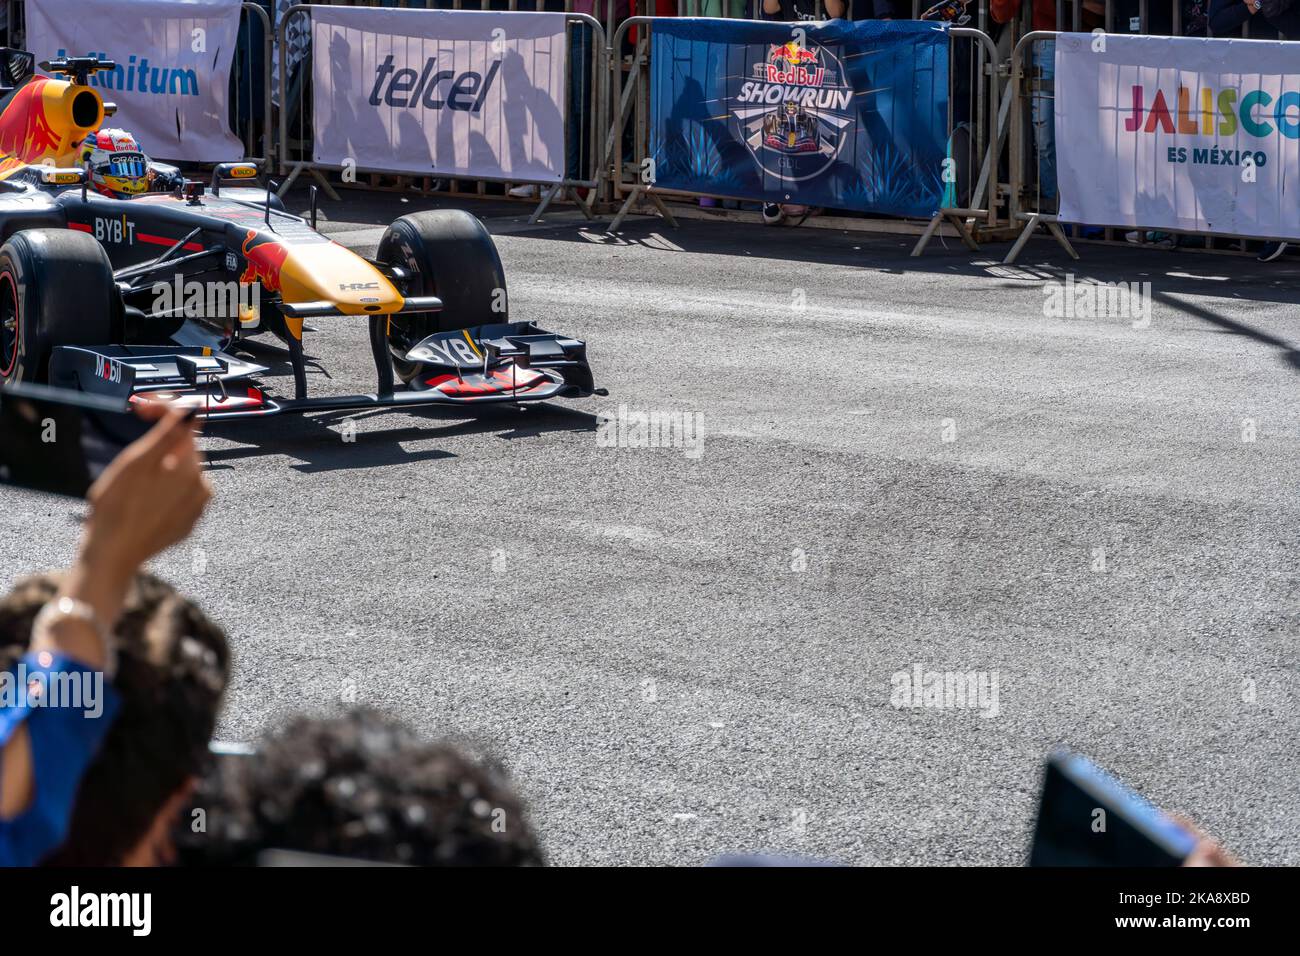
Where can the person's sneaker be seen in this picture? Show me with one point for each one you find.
(1271, 251)
(798, 215)
(1161, 240)
(524, 192)
(772, 214)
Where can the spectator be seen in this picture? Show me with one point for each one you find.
(363, 787)
(1267, 18)
(790, 11)
(149, 498)
(880, 9)
(172, 666)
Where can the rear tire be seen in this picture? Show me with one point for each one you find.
(450, 254)
(56, 288)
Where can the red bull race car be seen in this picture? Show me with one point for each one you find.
(120, 277)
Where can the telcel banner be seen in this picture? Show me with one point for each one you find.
(841, 114)
(450, 92)
(173, 57)
(1180, 133)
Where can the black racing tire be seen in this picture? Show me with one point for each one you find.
(450, 254)
(56, 288)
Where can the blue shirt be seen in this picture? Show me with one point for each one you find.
(68, 709)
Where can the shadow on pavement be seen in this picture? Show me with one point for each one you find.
(320, 445)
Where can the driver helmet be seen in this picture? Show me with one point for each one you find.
(118, 167)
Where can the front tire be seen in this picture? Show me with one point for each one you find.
(56, 288)
(448, 253)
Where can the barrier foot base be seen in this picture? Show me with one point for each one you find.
(639, 192)
(1014, 252)
(1034, 221)
(325, 185)
(963, 230)
(663, 210)
(288, 183)
(569, 192)
(926, 236)
(958, 220)
(316, 174)
(1055, 229)
(632, 197)
(546, 201)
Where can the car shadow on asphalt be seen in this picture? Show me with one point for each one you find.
(324, 442)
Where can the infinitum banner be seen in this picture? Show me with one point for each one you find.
(1179, 133)
(173, 57)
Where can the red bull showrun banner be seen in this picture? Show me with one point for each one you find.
(1179, 133)
(839, 114)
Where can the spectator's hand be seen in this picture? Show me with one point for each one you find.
(1250, 5)
(146, 500)
(1207, 852)
(149, 497)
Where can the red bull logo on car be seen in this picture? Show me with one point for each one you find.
(26, 133)
(265, 260)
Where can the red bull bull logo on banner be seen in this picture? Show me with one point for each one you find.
(800, 63)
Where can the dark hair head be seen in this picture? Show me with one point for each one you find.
(173, 663)
(360, 786)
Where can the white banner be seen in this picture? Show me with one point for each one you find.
(171, 85)
(453, 93)
(1179, 133)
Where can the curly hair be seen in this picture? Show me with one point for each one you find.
(360, 786)
(173, 664)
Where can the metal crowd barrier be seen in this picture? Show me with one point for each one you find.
(1020, 148)
(295, 143)
(1029, 208)
(633, 98)
(249, 87)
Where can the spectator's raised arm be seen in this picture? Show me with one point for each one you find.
(148, 499)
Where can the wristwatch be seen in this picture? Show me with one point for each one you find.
(1255, 4)
(67, 607)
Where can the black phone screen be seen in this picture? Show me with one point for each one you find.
(1088, 818)
(59, 441)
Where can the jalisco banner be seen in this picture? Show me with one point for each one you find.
(1179, 133)
(455, 93)
(172, 81)
(849, 115)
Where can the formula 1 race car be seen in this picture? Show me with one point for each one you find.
(119, 276)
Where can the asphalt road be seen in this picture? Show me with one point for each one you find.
(685, 651)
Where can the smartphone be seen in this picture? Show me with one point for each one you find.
(59, 441)
(1086, 817)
